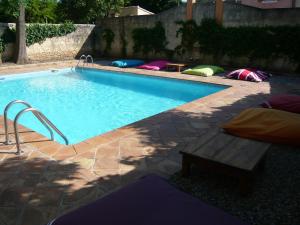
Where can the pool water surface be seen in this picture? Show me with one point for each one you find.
(86, 103)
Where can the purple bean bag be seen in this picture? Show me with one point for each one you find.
(249, 75)
(155, 65)
(149, 201)
(289, 103)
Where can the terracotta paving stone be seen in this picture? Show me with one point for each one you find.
(49, 148)
(132, 164)
(106, 163)
(59, 180)
(111, 150)
(83, 162)
(37, 155)
(9, 215)
(108, 179)
(82, 147)
(131, 147)
(99, 140)
(41, 215)
(49, 178)
(30, 137)
(15, 197)
(65, 153)
(45, 196)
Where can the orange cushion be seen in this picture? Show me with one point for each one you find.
(266, 125)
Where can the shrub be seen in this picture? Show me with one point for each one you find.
(148, 40)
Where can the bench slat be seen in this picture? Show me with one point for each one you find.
(229, 150)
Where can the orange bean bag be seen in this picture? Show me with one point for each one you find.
(268, 125)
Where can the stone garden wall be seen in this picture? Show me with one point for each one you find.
(82, 41)
(234, 15)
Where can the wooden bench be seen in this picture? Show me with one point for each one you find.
(227, 154)
(177, 66)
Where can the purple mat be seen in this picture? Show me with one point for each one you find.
(149, 201)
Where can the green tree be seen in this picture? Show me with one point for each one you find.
(37, 11)
(9, 10)
(156, 6)
(87, 11)
(16, 10)
(41, 11)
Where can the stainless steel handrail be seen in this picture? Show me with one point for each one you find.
(9, 105)
(37, 114)
(85, 60)
(89, 57)
(81, 57)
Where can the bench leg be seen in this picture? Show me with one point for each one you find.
(262, 164)
(246, 185)
(186, 166)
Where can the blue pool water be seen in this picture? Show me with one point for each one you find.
(84, 104)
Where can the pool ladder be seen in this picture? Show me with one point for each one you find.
(86, 60)
(39, 115)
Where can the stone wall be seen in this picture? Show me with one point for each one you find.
(240, 15)
(234, 15)
(123, 27)
(82, 41)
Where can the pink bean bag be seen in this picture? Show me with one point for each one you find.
(155, 65)
(290, 103)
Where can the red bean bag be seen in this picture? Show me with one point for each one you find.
(289, 103)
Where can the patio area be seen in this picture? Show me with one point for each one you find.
(49, 179)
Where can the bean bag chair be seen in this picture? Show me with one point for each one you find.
(289, 103)
(249, 75)
(204, 70)
(122, 63)
(149, 201)
(268, 125)
(155, 65)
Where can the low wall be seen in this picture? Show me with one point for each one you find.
(234, 15)
(82, 41)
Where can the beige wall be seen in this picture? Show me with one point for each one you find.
(298, 3)
(275, 4)
(67, 47)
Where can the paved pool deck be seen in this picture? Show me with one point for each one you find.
(49, 179)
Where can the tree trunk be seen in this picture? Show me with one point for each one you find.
(21, 54)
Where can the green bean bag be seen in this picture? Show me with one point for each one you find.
(204, 70)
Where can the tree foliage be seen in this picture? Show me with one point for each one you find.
(77, 11)
(150, 40)
(41, 11)
(250, 41)
(9, 10)
(88, 11)
(37, 11)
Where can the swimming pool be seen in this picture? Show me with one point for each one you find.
(86, 103)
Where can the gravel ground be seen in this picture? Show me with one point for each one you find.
(275, 199)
